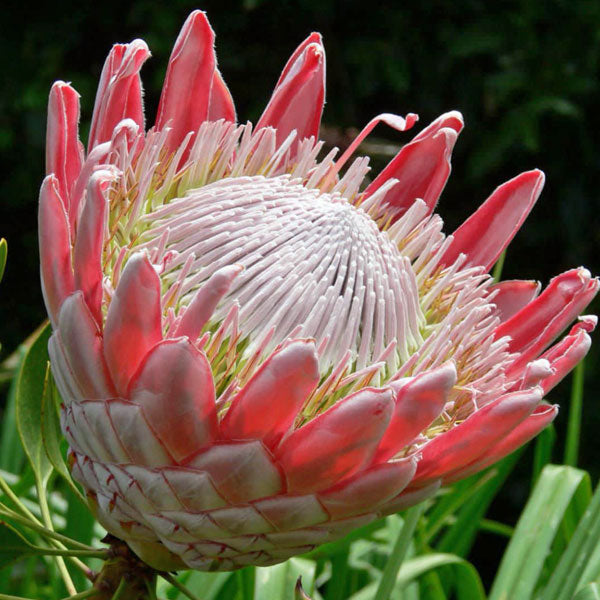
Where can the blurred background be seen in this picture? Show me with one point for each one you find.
(525, 78)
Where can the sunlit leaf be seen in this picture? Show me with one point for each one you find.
(589, 592)
(279, 581)
(526, 553)
(29, 394)
(51, 434)
(468, 583)
(580, 562)
(12, 455)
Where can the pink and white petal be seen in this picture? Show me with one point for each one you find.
(240, 471)
(91, 231)
(394, 121)
(136, 436)
(298, 99)
(512, 295)
(534, 327)
(313, 38)
(126, 137)
(417, 403)
(63, 375)
(221, 104)
(368, 489)
(467, 441)
(98, 156)
(184, 102)
(541, 417)
(422, 168)
(337, 443)
(488, 231)
(174, 386)
(200, 309)
(133, 321)
(64, 152)
(81, 340)
(55, 248)
(565, 355)
(265, 408)
(452, 119)
(119, 93)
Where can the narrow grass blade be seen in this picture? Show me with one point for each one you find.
(542, 455)
(575, 411)
(467, 581)
(388, 579)
(12, 455)
(526, 553)
(497, 272)
(577, 565)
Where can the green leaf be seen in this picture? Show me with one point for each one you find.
(12, 455)
(542, 454)
(580, 562)
(29, 394)
(389, 576)
(575, 412)
(468, 582)
(589, 592)
(280, 580)
(209, 585)
(526, 553)
(3, 253)
(51, 434)
(13, 545)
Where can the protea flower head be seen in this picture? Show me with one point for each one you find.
(256, 351)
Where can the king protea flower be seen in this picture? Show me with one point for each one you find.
(256, 351)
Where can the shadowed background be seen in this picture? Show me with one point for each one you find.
(525, 80)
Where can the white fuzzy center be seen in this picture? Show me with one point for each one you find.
(314, 266)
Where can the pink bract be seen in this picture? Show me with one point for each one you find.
(257, 351)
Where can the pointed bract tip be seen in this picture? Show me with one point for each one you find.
(60, 86)
(197, 24)
(588, 322)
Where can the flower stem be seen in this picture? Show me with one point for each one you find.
(124, 575)
(177, 584)
(44, 531)
(102, 554)
(86, 594)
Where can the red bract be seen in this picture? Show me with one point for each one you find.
(254, 355)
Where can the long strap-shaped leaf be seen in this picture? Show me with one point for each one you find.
(524, 558)
(580, 562)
